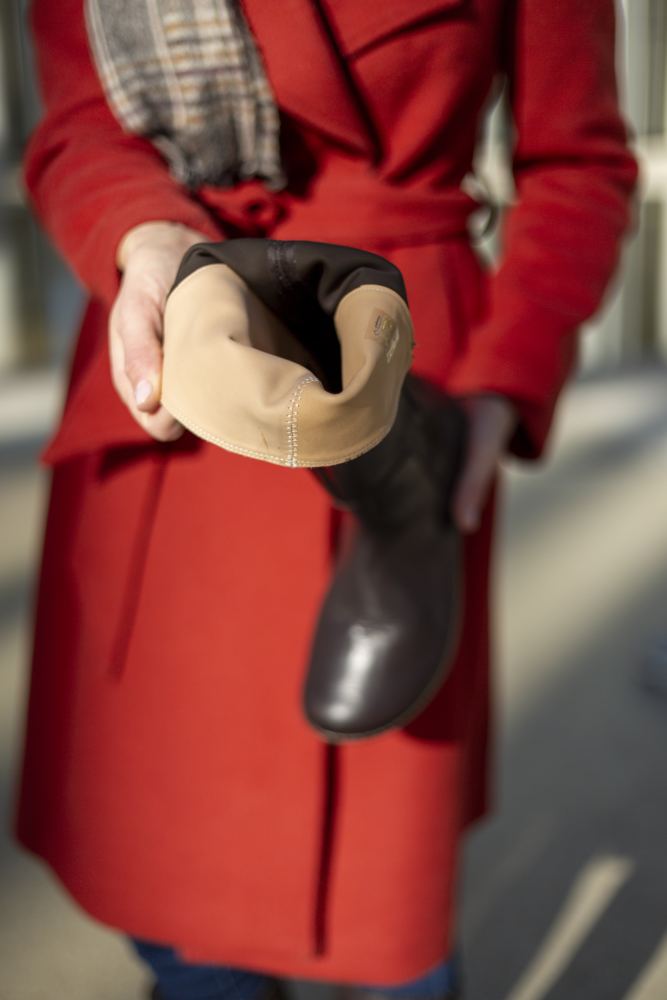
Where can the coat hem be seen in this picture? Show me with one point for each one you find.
(317, 968)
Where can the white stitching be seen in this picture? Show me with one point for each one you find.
(322, 460)
(292, 415)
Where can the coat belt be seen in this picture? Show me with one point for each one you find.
(347, 210)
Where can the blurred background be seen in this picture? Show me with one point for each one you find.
(565, 888)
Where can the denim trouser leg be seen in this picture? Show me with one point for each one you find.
(435, 984)
(181, 980)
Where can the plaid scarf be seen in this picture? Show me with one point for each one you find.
(187, 75)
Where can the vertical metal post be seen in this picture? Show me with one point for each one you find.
(22, 339)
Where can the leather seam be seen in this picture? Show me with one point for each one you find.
(292, 418)
(238, 449)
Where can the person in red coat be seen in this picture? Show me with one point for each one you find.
(169, 778)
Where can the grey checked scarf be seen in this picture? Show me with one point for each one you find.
(187, 75)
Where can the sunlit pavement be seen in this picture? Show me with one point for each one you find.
(565, 888)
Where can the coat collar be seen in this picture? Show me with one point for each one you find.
(308, 74)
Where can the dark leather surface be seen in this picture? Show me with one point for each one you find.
(389, 623)
(302, 282)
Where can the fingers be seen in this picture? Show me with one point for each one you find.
(135, 333)
(474, 482)
(148, 255)
(490, 425)
(160, 425)
(135, 324)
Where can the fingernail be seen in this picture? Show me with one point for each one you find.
(142, 391)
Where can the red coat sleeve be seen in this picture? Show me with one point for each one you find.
(574, 178)
(88, 180)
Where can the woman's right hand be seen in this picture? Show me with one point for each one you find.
(148, 256)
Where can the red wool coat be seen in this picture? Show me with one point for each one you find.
(169, 777)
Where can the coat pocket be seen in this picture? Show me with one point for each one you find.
(360, 26)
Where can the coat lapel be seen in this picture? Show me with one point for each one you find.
(309, 77)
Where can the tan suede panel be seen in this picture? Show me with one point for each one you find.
(235, 375)
(375, 334)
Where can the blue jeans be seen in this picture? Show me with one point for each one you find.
(181, 980)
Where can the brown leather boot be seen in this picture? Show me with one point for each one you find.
(296, 353)
(390, 621)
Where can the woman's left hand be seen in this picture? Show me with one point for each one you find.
(492, 420)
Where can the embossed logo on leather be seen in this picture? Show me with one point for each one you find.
(384, 330)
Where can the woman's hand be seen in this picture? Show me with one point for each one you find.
(491, 422)
(148, 256)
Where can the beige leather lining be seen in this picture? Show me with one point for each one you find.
(236, 376)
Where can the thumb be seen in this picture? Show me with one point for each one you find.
(138, 327)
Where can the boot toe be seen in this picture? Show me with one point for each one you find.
(371, 684)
